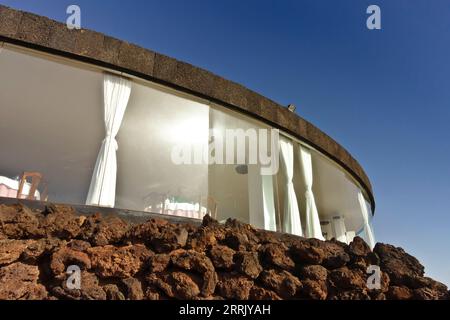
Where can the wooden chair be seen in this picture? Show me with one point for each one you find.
(36, 179)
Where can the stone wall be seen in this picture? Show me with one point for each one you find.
(163, 260)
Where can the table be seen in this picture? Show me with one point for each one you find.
(10, 187)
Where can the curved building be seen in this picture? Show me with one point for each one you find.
(89, 119)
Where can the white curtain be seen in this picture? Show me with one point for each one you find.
(116, 93)
(367, 228)
(261, 199)
(291, 214)
(313, 229)
(339, 229)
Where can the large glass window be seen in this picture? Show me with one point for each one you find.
(156, 124)
(231, 182)
(52, 124)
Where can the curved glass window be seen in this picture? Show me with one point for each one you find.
(175, 155)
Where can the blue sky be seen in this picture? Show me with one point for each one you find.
(383, 94)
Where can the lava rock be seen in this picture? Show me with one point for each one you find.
(109, 231)
(314, 272)
(222, 257)
(248, 264)
(178, 285)
(276, 255)
(283, 283)
(234, 286)
(11, 250)
(119, 262)
(62, 222)
(39, 249)
(19, 281)
(113, 293)
(399, 293)
(133, 289)
(401, 267)
(89, 288)
(258, 293)
(158, 262)
(65, 257)
(20, 222)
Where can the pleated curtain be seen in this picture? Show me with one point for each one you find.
(291, 214)
(367, 228)
(102, 190)
(312, 228)
(261, 199)
(339, 229)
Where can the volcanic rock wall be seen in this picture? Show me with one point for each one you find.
(162, 260)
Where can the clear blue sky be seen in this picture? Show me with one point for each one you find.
(384, 94)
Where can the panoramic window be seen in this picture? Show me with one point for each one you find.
(49, 127)
(157, 125)
(235, 185)
(82, 136)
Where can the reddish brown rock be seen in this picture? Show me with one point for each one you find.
(350, 295)
(314, 272)
(429, 294)
(158, 262)
(209, 222)
(376, 295)
(113, 293)
(345, 279)
(169, 240)
(143, 232)
(20, 222)
(194, 261)
(258, 293)
(209, 284)
(237, 241)
(191, 260)
(11, 250)
(222, 257)
(160, 235)
(335, 255)
(234, 287)
(314, 290)
(89, 288)
(401, 267)
(358, 247)
(79, 245)
(62, 222)
(119, 262)
(178, 285)
(276, 255)
(65, 257)
(428, 289)
(283, 283)
(89, 226)
(399, 293)
(304, 252)
(41, 248)
(248, 264)
(109, 231)
(202, 239)
(185, 266)
(133, 289)
(152, 294)
(361, 256)
(240, 236)
(20, 282)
